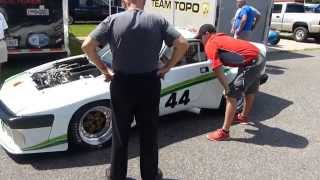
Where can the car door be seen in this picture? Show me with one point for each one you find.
(293, 11)
(183, 85)
(277, 16)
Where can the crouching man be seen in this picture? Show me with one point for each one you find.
(224, 50)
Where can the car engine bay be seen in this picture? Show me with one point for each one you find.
(65, 72)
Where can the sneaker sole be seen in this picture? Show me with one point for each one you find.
(237, 122)
(224, 139)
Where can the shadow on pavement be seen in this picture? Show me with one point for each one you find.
(274, 137)
(266, 107)
(275, 70)
(176, 128)
(286, 55)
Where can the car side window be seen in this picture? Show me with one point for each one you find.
(277, 8)
(194, 54)
(191, 55)
(202, 53)
(295, 8)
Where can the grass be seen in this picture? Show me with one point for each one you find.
(8, 71)
(74, 45)
(80, 30)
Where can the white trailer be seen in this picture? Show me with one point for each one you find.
(194, 13)
(36, 26)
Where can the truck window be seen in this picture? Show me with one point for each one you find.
(277, 8)
(295, 8)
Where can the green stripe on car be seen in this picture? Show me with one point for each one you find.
(190, 82)
(49, 143)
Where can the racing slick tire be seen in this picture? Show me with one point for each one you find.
(90, 126)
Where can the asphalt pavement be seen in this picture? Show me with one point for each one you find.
(282, 142)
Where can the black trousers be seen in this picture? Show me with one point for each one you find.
(135, 96)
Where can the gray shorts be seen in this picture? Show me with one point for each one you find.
(247, 80)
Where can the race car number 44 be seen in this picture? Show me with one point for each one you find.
(184, 99)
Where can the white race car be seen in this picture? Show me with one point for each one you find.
(67, 102)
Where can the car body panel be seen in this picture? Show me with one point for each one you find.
(186, 86)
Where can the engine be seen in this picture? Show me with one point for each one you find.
(65, 72)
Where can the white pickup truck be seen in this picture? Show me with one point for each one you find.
(291, 17)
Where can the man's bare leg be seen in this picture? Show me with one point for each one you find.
(231, 107)
(248, 103)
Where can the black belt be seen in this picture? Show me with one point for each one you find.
(136, 75)
(1, 39)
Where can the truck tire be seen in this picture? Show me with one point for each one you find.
(90, 126)
(300, 34)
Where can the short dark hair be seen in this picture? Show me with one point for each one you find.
(204, 29)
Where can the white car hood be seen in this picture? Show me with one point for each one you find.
(17, 91)
(22, 97)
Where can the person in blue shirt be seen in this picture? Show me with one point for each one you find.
(245, 20)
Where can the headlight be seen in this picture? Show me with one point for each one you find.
(38, 40)
(18, 137)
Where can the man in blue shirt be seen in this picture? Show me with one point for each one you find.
(245, 20)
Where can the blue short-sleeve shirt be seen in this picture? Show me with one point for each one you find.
(248, 11)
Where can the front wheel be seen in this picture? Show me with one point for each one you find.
(90, 126)
(300, 34)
